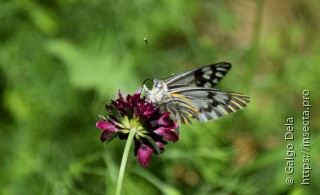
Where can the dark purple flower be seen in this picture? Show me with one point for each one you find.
(154, 128)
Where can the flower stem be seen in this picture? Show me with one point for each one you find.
(132, 133)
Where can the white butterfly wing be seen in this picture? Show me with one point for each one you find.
(203, 104)
(206, 76)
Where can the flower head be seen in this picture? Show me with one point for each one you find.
(153, 128)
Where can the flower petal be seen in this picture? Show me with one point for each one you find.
(106, 126)
(120, 96)
(144, 155)
(167, 134)
(105, 135)
(164, 120)
(134, 99)
(160, 146)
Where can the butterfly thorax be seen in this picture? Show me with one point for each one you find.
(158, 92)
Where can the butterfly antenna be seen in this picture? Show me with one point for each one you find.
(168, 77)
(153, 58)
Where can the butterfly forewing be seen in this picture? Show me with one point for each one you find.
(206, 76)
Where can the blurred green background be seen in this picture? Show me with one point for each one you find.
(62, 61)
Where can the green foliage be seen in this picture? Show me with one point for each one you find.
(61, 61)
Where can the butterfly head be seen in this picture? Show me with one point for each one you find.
(158, 91)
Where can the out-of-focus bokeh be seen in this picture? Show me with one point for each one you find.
(62, 61)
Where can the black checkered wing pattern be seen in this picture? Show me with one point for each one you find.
(206, 76)
(203, 104)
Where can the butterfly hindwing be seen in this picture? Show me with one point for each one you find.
(204, 104)
(206, 76)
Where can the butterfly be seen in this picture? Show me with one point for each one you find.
(192, 95)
